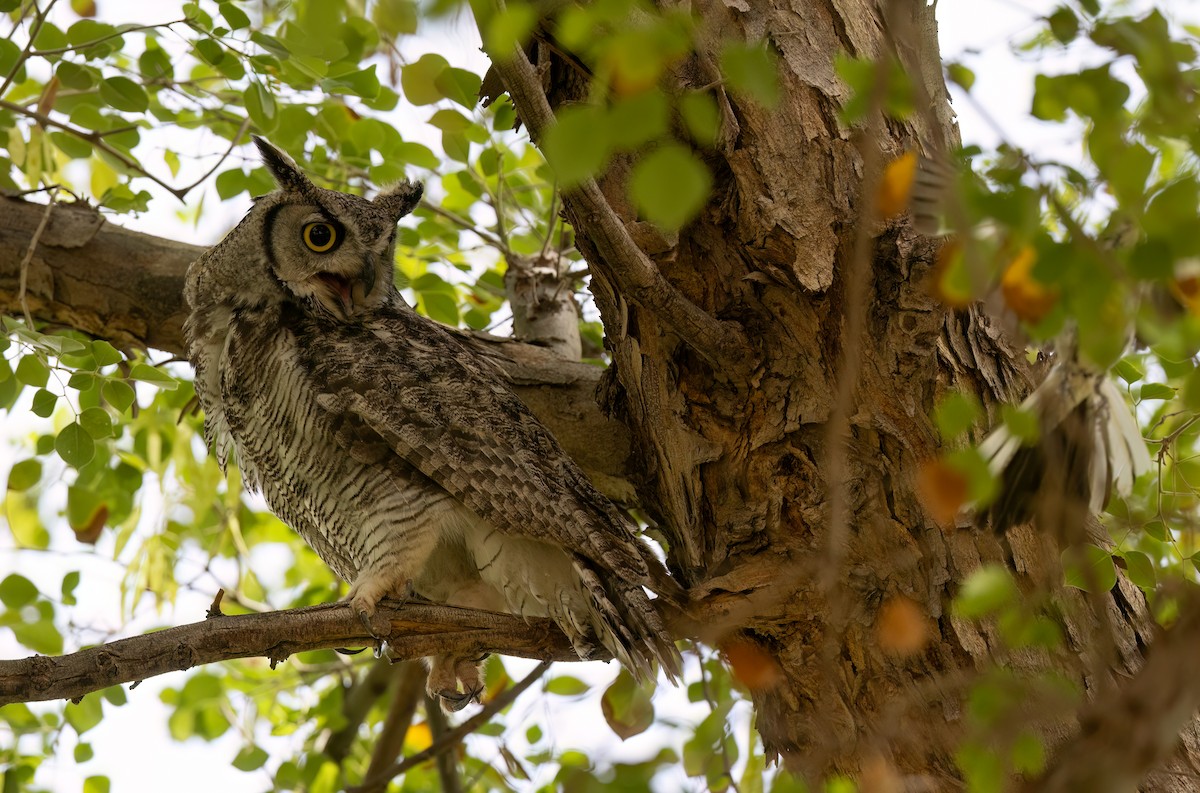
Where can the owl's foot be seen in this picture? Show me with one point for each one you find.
(366, 592)
(455, 682)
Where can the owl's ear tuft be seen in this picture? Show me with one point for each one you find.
(287, 174)
(400, 199)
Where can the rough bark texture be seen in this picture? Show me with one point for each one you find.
(732, 464)
(418, 631)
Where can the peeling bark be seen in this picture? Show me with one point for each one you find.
(731, 461)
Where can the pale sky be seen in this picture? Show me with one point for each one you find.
(132, 745)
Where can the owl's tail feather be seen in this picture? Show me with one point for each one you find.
(630, 626)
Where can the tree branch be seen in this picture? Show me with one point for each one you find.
(1122, 739)
(127, 287)
(410, 689)
(723, 344)
(418, 630)
(451, 738)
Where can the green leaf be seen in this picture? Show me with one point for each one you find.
(119, 394)
(670, 186)
(96, 784)
(419, 79)
(105, 354)
(84, 714)
(230, 183)
(1157, 530)
(567, 686)
(1141, 570)
(97, 422)
(960, 75)
(250, 758)
(986, 591)
(1128, 371)
(75, 445)
(509, 29)
(25, 475)
(235, 16)
(1156, 391)
(1089, 568)
(459, 85)
(361, 83)
(43, 403)
(260, 105)
(69, 582)
(956, 414)
(578, 145)
(17, 591)
(83, 752)
(157, 377)
(31, 371)
(627, 707)
(121, 93)
(702, 117)
(750, 70)
(395, 17)
(1064, 25)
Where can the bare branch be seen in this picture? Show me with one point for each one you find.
(447, 766)
(452, 737)
(418, 630)
(409, 690)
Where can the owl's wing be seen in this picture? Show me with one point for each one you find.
(405, 380)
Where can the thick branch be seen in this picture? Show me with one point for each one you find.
(418, 630)
(127, 287)
(1122, 739)
(722, 344)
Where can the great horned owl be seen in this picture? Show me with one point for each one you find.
(404, 461)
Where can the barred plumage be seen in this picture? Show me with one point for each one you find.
(399, 456)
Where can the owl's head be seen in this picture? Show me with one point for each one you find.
(330, 251)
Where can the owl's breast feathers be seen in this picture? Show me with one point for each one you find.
(405, 398)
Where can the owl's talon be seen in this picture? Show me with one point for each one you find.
(454, 701)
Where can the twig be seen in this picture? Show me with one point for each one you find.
(486, 236)
(454, 736)
(357, 700)
(34, 30)
(97, 140)
(390, 743)
(233, 142)
(856, 278)
(33, 243)
(101, 40)
(447, 768)
(723, 344)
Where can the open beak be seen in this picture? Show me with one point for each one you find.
(348, 292)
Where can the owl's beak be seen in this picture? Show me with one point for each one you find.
(351, 290)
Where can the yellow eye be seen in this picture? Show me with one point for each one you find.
(320, 237)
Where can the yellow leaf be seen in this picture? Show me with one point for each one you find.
(418, 738)
(104, 178)
(1029, 298)
(895, 187)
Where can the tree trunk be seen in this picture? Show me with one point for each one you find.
(735, 468)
